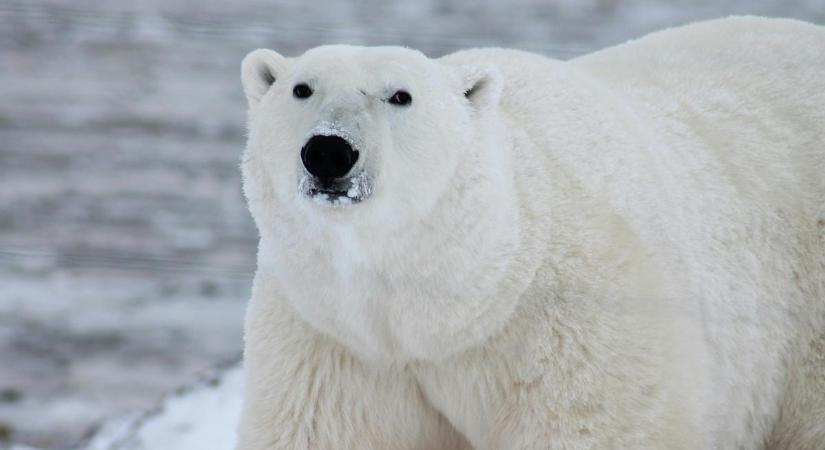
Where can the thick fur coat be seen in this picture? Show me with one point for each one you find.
(625, 250)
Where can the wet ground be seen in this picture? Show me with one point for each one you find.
(126, 251)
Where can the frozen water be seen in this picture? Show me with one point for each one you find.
(126, 251)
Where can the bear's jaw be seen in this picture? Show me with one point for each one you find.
(338, 193)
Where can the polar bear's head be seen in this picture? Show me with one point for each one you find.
(374, 135)
(376, 177)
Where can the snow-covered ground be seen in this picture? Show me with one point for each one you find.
(201, 416)
(126, 251)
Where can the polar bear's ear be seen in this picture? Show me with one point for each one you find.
(481, 85)
(259, 70)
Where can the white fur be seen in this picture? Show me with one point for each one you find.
(626, 250)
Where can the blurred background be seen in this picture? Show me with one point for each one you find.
(126, 251)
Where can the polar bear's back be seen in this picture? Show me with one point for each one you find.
(735, 109)
(738, 84)
(752, 89)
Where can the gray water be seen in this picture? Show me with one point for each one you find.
(126, 252)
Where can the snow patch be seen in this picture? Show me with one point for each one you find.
(327, 128)
(203, 416)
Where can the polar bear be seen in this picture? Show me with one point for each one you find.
(497, 250)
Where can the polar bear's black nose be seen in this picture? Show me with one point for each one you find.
(328, 157)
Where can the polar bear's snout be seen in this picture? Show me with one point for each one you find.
(328, 157)
(333, 172)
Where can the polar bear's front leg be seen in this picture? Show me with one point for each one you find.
(525, 429)
(535, 420)
(303, 390)
(625, 386)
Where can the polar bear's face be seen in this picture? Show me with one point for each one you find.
(366, 135)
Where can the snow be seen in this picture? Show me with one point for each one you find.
(202, 416)
(360, 185)
(334, 129)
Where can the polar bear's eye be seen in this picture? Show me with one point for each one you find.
(401, 98)
(301, 90)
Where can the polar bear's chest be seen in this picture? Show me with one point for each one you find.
(343, 301)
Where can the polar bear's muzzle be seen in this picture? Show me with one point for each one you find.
(329, 161)
(328, 157)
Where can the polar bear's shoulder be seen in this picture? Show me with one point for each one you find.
(740, 42)
(733, 31)
(741, 63)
